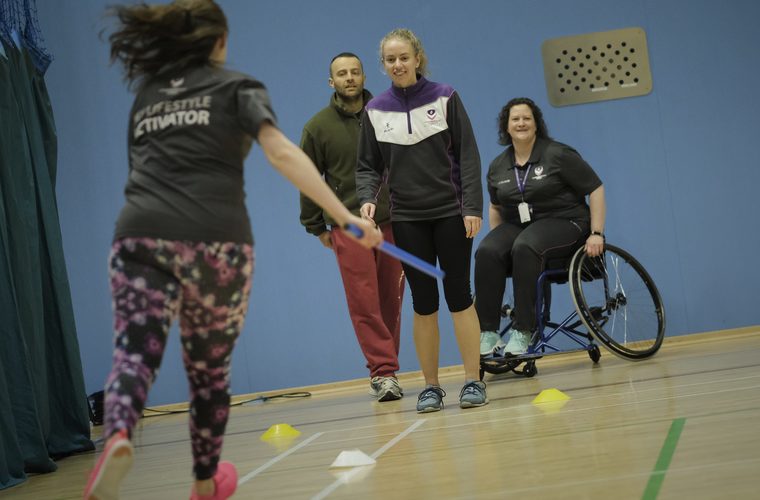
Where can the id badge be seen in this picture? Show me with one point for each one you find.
(524, 210)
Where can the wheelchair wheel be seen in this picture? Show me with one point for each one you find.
(530, 369)
(618, 302)
(594, 354)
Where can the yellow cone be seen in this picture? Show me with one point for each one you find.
(550, 396)
(551, 400)
(278, 431)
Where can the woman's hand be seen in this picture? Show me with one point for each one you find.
(594, 245)
(472, 225)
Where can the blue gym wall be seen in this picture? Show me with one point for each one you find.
(678, 164)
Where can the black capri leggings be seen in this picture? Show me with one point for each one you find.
(446, 241)
(511, 250)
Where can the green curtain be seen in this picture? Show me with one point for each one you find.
(43, 405)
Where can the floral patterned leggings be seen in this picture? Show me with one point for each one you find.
(207, 285)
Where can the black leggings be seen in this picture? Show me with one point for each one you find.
(446, 241)
(511, 250)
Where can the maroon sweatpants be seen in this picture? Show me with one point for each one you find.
(374, 285)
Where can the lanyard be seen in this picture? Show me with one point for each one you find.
(521, 183)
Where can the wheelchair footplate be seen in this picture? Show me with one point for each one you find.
(497, 363)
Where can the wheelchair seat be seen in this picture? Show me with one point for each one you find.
(557, 270)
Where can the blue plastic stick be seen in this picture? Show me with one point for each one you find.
(400, 254)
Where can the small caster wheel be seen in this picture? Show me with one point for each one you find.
(594, 354)
(530, 369)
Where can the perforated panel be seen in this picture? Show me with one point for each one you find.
(596, 66)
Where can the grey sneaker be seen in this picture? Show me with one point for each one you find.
(473, 394)
(489, 342)
(518, 343)
(385, 388)
(430, 399)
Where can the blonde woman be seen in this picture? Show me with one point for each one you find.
(418, 131)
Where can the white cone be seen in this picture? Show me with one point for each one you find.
(353, 474)
(352, 458)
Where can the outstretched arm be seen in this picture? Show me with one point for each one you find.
(293, 163)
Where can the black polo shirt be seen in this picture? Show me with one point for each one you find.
(189, 134)
(558, 180)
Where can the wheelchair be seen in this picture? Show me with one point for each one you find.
(616, 304)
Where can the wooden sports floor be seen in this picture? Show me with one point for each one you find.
(683, 424)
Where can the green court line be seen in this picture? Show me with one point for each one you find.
(663, 461)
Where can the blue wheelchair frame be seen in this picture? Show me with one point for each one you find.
(599, 315)
(542, 346)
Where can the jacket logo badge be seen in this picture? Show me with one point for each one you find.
(388, 127)
(539, 170)
(431, 114)
(176, 82)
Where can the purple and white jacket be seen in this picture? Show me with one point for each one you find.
(422, 139)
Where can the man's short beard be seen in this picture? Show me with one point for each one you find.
(350, 98)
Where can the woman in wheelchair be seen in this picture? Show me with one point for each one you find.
(538, 212)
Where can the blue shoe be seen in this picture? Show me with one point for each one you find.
(430, 400)
(518, 343)
(473, 394)
(490, 341)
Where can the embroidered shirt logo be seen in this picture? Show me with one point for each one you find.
(388, 128)
(539, 170)
(174, 88)
(503, 182)
(431, 114)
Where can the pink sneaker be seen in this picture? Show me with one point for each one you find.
(112, 466)
(225, 481)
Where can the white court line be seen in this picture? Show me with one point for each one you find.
(398, 438)
(323, 494)
(276, 459)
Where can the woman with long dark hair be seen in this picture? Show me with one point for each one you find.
(183, 245)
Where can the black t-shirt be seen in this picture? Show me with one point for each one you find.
(556, 181)
(189, 134)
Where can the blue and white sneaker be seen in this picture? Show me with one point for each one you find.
(518, 343)
(490, 341)
(473, 394)
(430, 399)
